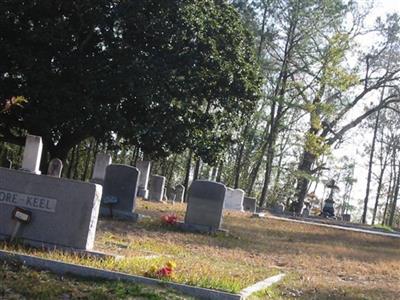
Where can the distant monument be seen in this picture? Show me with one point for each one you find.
(328, 209)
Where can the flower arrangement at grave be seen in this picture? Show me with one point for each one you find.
(171, 219)
(164, 272)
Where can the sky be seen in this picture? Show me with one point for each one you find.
(353, 147)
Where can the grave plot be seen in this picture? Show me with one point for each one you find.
(20, 282)
(318, 261)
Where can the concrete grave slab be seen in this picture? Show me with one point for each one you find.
(63, 212)
(120, 184)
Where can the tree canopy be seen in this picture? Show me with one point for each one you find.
(161, 75)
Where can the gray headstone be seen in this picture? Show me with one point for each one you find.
(55, 168)
(144, 168)
(99, 169)
(119, 190)
(32, 154)
(279, 208)
(7, 163)
(234, 199)
(346, 217)
(249, 204)
(64, 212)
(156, 188)
(205, 205)
(179, 193)
(165, 195)
(305, 212)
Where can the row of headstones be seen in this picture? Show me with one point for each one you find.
(60, 212)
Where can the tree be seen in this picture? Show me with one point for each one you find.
(338, 91)
(161, 75)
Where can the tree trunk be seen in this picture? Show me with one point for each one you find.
(378, 192)
(371, 161)
(219, 173)
(394, 201)
(239, 157)
(303, 180)
(254, 171)
(71, 163)
(87, 161)
(171, 170)
(187, 173)
(75, 174)
(197, 169)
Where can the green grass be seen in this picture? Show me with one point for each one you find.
(384, 228)
(20, 282)
(320, 262)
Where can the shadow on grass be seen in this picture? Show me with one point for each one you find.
(271, 236)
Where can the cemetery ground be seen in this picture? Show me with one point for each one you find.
(19, 282)
(319, 262)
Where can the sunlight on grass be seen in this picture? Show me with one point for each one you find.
(314, 258)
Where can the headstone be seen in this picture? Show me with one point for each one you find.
(250, 204)
(346, 217)
(119, 191)
(234, 199)
(100, 165)
(55, 168)
(32, 154)
(205, 206)
(144, 168)
(63, 212)
(165, 196)
(156, 188)
(305, 213)
(179, 193)
(279, 208)
(7, 163)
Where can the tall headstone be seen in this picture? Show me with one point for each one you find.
(100, 165)
(144, 168)
(249, 204)
(63, 212)
(119, 191)
(234, 199)
(179, 193)
(279, 208)
(55, 168)
(32, 154)
(156, 188)
(6, 163)
(205, 206)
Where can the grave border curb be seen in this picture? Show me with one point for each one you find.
(62, 268)
(261, 285)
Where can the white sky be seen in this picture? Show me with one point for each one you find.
(353, 147)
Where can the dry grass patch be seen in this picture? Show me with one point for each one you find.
(321, 263)
(19, 282)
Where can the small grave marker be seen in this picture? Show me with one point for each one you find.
(55, 168)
